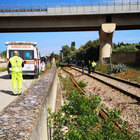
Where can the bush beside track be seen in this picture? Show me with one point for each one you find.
(78, 119)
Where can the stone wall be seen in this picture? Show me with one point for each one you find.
(26, 117)
(125, 58)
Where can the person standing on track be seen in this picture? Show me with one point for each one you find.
(93, 63)
(89, 67)
(83, 66)
(16, 63)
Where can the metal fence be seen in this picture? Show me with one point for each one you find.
(96, 5)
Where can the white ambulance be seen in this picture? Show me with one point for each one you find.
(29, 52)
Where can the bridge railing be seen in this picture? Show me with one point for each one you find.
(74, 7)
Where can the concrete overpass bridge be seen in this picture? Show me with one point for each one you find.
(26, 117)
(105, 18)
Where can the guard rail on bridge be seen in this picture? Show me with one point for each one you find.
(81, 7)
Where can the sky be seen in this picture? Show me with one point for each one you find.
(49, 42)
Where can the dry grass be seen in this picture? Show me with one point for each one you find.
(3, 69)
(130, 74)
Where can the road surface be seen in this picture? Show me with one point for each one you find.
(6, 89)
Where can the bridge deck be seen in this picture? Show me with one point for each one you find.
(73, 10)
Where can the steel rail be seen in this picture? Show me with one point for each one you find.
(113, 86)
(73, 80)
(102, 113)
(118, 79)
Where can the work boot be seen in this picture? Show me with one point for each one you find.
(19, 93)
(14, 94)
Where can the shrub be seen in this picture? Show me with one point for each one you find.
(125, 49)
(3, 69)
(48, 66)
(102, 68)
(78, 119)
(117, 68)
(82, 84)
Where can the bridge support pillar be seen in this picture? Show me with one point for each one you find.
(106, 34)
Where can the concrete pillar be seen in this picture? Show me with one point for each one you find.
(106, 34)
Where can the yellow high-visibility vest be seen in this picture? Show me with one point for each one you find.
(16, 64)
(93, 64)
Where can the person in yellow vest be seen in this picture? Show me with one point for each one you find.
(93, 63)
(16, 63)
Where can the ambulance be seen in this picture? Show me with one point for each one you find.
(30, 54)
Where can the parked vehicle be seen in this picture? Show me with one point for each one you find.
(29, 52)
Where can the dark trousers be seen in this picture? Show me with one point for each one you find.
(93, 69)
(89, 70)
(83, 70)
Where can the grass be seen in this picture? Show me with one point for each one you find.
(48, 66)
(67, 84)
(102, 68)
(78, 118)
(132, 74)
(82, 84)
(3, 69)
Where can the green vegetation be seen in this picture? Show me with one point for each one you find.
(67, 84)
(78, 119)
(126, 47)
(116, 68)
(82, 84)
(3, 54)
(90, 51)
(48, 66)
(102, 68)
(123, 49)
(131, 75)
(3, 69)
(131, 72)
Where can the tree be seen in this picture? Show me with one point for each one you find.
(56, 56)
(66, 51)
(73, 46)
(3, 54)
(89, 51)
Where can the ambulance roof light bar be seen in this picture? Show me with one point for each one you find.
(21, 43)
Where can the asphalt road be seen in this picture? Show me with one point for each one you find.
(6, 89)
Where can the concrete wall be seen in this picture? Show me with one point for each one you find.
(125, 57)
(26, 117)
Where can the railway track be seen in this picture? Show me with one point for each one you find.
(101, 111)
(126, 87)
(111, 98)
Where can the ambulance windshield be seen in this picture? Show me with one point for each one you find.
(24, 54)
